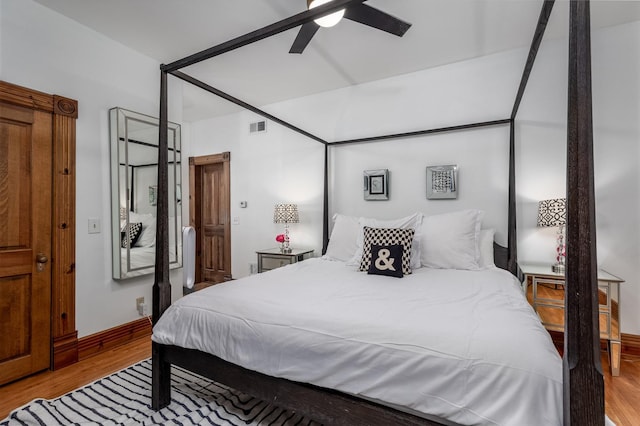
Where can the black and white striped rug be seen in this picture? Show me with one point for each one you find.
(124, 398)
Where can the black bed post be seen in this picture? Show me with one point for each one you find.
(512, 236)
(325, 202)
(584, 383)
(132, 194)
(161, 370)
(161, 284)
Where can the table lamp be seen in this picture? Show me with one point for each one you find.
(286, 213)
(554, 213)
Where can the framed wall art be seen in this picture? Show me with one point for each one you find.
(442, 182)
(153, 195)
(376, 185)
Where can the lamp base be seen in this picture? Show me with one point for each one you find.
(285, 250)
(558, 268)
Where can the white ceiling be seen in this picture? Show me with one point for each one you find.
(443, 31)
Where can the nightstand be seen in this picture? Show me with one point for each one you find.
(547, 298)
(273, 258)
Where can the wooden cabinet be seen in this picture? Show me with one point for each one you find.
(545, 292)
(273, 258)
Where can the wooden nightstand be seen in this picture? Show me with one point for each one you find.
(273, 258)
(547, 298)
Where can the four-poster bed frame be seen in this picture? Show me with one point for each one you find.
(583, 380)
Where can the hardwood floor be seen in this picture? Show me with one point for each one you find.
(50, 384)
(622, 393)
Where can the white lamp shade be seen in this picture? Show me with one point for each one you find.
(286, 213)
(552, 212)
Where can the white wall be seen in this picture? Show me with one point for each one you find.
(616, 134)
(43, 50)
(266, 168)
(470, 91)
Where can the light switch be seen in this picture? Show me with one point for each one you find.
(94, 225)
(236, 220)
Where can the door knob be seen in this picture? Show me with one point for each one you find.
(41, 259)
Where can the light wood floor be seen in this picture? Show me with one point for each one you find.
(622, 393)
(51, 384)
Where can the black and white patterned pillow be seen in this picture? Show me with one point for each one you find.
(386, 260)
(386, 237)
(129, 236)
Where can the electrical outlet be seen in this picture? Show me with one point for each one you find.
(140, 305)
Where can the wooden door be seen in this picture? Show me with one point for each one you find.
(25, 241)
(210, 216)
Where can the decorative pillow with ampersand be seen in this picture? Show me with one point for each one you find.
(387, 237)
(386, 260)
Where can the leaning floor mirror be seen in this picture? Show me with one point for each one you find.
(134, 175)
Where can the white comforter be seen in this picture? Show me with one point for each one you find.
(459, 345)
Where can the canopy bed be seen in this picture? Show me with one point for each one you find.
(583, 388)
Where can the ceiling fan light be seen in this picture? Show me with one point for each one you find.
(328, 20)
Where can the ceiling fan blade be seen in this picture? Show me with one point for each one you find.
(376, 18)
(306, 33)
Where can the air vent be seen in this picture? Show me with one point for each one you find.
(258, 126)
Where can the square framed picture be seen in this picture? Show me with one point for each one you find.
(442, 182)
(376, 185)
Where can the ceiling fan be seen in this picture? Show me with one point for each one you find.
(359, 12)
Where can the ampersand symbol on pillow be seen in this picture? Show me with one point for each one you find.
(383, 263)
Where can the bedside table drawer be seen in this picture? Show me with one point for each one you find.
(552, 317)
(548, 302)
(548, 291)
(274, 258)
(269, 263)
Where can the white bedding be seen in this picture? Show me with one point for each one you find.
(459, 345)
(140, 257)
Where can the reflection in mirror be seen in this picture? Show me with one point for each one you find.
(134, 176)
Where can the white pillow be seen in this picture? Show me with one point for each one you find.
(148, 235)
(409, 222)
(342, 243)
(486, 248)
(450, 240)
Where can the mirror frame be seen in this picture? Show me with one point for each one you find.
(122, 128)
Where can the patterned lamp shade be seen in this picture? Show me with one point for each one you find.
(552, 212)
(286, 213)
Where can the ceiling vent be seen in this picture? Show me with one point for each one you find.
(258, 127)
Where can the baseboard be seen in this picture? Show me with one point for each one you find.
(630, 344)
(116, 336)
(65, 350)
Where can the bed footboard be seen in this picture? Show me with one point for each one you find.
(326, 406)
